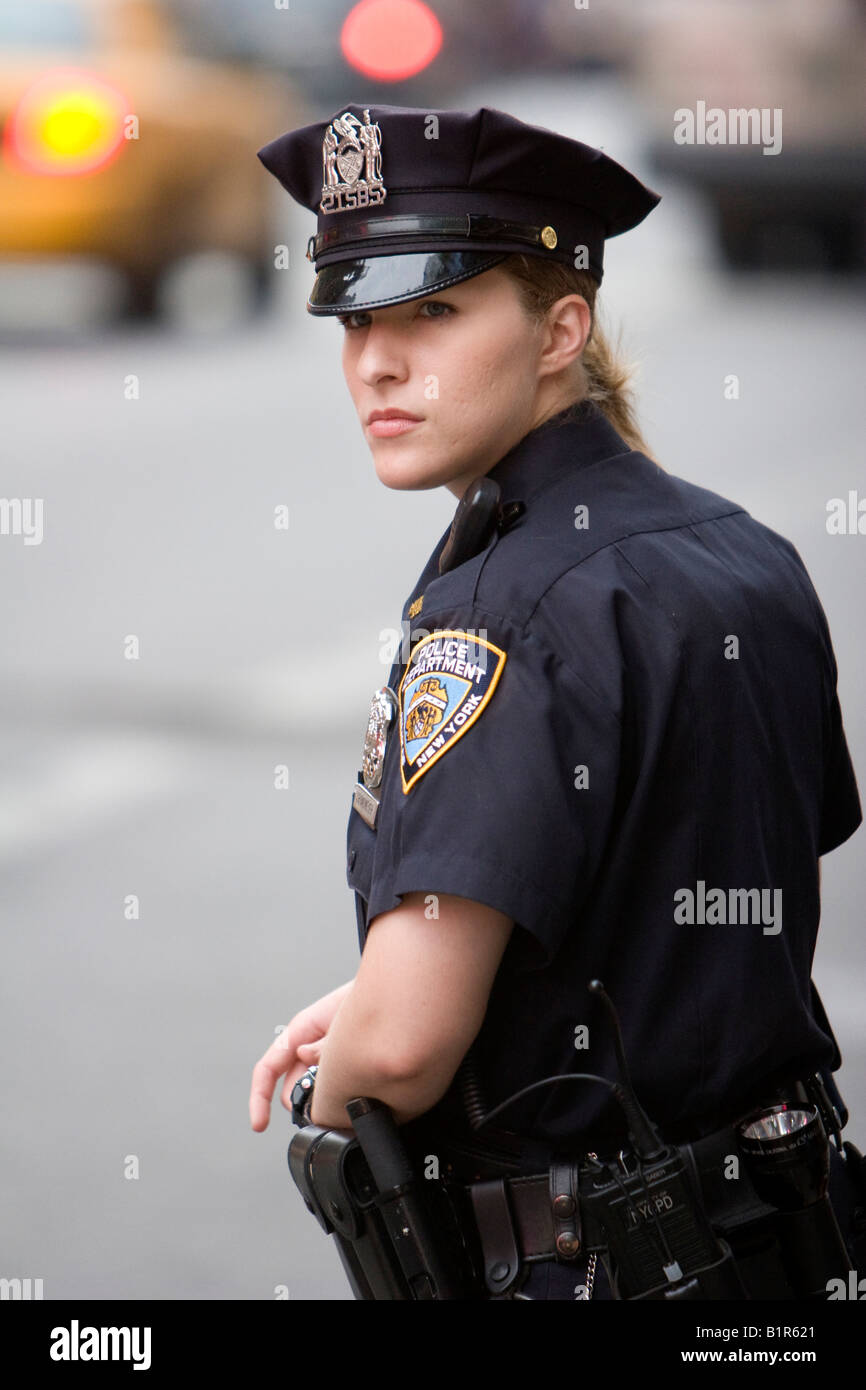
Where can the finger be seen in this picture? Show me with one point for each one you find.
(299, 1032)
(266, 1072)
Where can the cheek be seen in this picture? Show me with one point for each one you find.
(349, 361)
(489, 371)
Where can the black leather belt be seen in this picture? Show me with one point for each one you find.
(523, 1218)
(544, 1214)
(537, 1227)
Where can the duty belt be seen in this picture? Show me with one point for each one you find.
(524, 1218)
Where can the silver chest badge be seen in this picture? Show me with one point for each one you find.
(348, 148)
(383, 712)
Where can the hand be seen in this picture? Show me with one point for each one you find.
(298, 1047)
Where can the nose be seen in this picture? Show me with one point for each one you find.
(383, 356)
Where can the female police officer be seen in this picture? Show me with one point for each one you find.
(611, 744)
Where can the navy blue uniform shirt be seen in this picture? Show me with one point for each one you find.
(626, 737)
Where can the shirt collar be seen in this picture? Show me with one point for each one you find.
(574, 438)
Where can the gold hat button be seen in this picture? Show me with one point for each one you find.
(548, 237)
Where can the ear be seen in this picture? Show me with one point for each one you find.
(565, 331)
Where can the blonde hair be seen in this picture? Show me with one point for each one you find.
(605, 377)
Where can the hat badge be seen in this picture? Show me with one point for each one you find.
(352, 148)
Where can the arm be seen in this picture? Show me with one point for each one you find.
(418, 1001)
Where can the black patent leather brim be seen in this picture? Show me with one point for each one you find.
(373, 282)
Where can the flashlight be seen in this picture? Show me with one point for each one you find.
(788, 1157)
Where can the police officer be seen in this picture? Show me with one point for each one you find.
(610, 744)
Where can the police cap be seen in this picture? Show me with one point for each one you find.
(410, 201)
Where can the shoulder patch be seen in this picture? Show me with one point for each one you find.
(450, 677)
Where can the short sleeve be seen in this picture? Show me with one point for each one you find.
(841, 813)
(502, 783)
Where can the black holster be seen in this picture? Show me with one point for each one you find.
(383, 1256)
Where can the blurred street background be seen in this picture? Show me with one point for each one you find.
(163, 391)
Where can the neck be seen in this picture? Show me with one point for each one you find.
(545, 411)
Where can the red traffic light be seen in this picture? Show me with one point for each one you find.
(390, 40)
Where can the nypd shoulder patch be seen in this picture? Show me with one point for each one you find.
(450, 677)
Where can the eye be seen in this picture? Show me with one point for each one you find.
(436, 306)
(437, 310)
(346, 319)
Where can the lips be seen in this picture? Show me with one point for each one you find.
(392, 413)
(384, 424)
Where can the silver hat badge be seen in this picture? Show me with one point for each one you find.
(350, 147)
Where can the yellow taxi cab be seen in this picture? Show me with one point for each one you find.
(118, 145)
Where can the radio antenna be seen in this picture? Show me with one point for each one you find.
(644, 1135)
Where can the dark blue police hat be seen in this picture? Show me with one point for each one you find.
(410, 201)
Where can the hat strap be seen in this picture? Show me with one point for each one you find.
(472, 226)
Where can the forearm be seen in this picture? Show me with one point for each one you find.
(356, 1060)
(418, 1001)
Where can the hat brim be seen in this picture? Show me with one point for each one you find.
(373, 282)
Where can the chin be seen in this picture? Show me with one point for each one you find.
(407, 474)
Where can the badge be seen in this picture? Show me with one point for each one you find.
(350, 147)
(450, 678)
(383, 711)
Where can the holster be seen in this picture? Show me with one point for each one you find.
(335, 1182)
